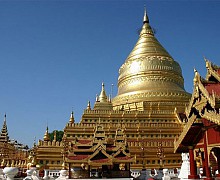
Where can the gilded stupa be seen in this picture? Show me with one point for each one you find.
(150, 75)
(133, 131)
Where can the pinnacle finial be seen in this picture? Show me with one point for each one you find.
(46, 135)
(88, 106)
(34, 145)
(5, 117)
(102, 96)
(97, 98)
(145, 20)
(71, 117)
(195, 71)
(55, 136)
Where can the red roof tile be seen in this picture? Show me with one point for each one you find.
(100, 160)
(84, 141)
(123, 158)
(110, 147)
(213, 88)
(78, 157)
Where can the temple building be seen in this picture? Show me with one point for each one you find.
(201, 135)
(134, 130)
(11, 152)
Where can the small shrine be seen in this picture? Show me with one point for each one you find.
(99, 156)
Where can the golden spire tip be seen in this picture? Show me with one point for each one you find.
(145, 20)
(195, 70)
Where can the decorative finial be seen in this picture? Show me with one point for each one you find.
(207, 63)
(97, 98)
(34, 145)
(111, 95)
(5, 117)
(55, 136)
(88, 106)
(195, 70)
(46, 135)
(71, 118)
(145, 20)
(109, 98)
(102, 96)
(196, 77)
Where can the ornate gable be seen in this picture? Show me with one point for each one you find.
(100, 156)
(213, 72)
(204, 104)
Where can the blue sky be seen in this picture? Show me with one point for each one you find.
(54, 55)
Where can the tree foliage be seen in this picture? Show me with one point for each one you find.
(59, 135)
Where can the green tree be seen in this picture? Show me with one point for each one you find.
(59, 135)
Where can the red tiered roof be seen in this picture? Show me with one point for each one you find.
(123, 158)
(78, 157)
(213, 88)
(110, 147)
(100, 160)
(84, 141)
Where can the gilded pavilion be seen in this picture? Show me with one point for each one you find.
(134, 130)
(201, 135)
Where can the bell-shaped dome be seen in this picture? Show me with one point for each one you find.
(149, 72)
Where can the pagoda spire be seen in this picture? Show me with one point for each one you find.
(102, 101)
(103, 97)
(4, 132)
(34, 145)
(149, 71)
(55, 136)
(145, 19)
(46, 135)
(96, 98)
(88, 106)
(146, 28)
(72, 118)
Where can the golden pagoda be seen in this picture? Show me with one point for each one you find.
(139, 124)
(150, 76)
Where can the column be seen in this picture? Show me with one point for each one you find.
(218, 159)
(207, 169)
(69, 168)
(89, 171)
(193, 174)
